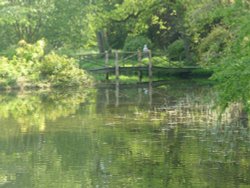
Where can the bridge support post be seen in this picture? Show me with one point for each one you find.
(117, 91)
(150, 93)
(107, 96)
(139, 55)
(106, 63)
(116, 65)
(150, 73)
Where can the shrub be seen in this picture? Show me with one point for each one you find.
(30, 52)
(30, 67)
(176, 50)
(8, 73)
(60, 70)
(211, 48)
(133, 43)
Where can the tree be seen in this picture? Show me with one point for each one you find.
(233, 71)
(67, 24)
(23, 19)
(63, 23)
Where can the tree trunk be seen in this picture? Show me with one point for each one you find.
(102, 41)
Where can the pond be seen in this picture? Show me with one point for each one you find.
(150, 135)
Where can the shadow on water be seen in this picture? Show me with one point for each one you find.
(165, 135)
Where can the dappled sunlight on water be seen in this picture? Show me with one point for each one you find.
(168, 136)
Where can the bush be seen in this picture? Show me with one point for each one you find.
(8, 73)
(30, 67)
(60, 70)
(134, 43)
(176, 50)
(211, 48)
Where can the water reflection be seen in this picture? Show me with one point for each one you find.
(106, 137)
(32, 109)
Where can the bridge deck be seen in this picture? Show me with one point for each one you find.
(144, 68)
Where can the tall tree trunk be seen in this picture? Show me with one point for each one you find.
(102, 41)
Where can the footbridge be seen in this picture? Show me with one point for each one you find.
(131, 63)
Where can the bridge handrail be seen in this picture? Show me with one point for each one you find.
(103, 53)
(103, 60)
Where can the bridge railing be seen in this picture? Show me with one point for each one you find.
(126, 58)
(98, 60)
(107, 61)
(115, 61)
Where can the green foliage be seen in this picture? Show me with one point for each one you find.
(63, 23)
(163, 61)
(117, 35)
(7, 72)
(176, 50)
(211, 33)
(30, 67)
(10, 51)
(134, 43)
(30, 52)
(219, 35)
(155, 19)
(60, 70)
(200, 17)
(233, 71)
(212, 47)
(233, 83)
(23, 20)
(68, 24)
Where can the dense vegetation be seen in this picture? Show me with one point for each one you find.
(30, 67)
(214, 34)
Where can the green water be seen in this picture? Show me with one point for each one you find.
(149, 136)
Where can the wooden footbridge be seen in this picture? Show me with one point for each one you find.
(135, 63)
